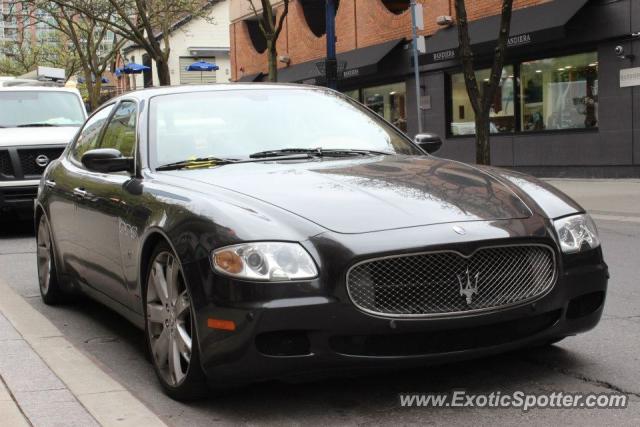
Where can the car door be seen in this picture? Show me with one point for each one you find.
(105, 206)
(64, 182)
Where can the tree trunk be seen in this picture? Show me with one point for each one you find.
(483, 138)
(90, 86)
(272, 54)
(95, 97)
(481, 101)
(162, 67)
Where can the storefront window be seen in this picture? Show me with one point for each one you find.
(560, 93)
(502, 114)
(389, 102)
(354, 94)
(554, 94)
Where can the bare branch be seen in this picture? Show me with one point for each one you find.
(283, 16)
(481, 101)
(498, 59)
(464, 42)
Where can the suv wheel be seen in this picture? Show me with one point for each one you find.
(50, 289)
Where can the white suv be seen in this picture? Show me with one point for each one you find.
(36, 124)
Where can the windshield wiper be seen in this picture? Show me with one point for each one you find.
(36, 125)
(215, 161)
(195, 163)
(318, 152)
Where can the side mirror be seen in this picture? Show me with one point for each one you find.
(106, 160)
(429, 142)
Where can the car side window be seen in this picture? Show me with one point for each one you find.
(121, 130)
(88, 138)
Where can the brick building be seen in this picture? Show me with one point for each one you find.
(562, 107)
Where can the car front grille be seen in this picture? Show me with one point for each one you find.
(18, 195)
(29, 156)
(447, 282)
(6, 169)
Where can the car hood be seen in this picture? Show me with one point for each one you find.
(37, 135)
(369, 194)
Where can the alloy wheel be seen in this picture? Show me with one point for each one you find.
(44, 255)
(169, 322)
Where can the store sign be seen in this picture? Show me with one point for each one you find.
(450, 54)
(444, 55)
(351, 73)
(519, 40)
(630, 77)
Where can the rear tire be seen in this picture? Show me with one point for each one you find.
(170, 329)
(48, 281)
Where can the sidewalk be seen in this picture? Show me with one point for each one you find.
(604, 199)
(46, 381)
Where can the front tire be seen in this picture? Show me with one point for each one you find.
(49, 284)
(170, 328)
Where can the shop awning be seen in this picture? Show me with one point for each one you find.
(535, 24)
(359, 62)
(251, 78)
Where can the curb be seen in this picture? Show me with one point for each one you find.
(11, 414)
(617, 218)
(103, 397)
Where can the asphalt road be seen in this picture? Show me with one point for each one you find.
(603, 360)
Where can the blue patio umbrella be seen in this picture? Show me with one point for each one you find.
(202, 66)
(131, 68)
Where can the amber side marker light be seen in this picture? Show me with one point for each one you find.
(225, 325)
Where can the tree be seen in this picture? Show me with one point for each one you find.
(24, 55)
(145, 23)
(270, 29)
(87, 38)
(481, 100)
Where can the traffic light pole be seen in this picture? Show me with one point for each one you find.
(416, 67)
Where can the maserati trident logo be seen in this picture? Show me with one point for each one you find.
(467, 288)
(461, 231)
(42, 160)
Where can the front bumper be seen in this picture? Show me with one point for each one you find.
(309, 336)
(19, 196)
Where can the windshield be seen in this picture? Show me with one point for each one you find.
(40, 108)
(237, 123)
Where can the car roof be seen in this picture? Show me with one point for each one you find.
(147, 93)
(38, 88)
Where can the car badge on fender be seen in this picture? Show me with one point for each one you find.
(468, 289)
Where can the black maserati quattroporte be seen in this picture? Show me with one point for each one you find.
(275, 231)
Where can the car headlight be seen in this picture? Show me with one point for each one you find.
(577, 233)
(265, 261)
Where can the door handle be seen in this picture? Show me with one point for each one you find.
(80, 192)
(50, 183)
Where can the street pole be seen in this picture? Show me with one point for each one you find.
(331, 64)
(414, 31)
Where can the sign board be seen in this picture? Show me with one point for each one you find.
(45, 73)
(419, 17)
(512, 42)
(422, 45)
(630, 77)
(425, 102)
